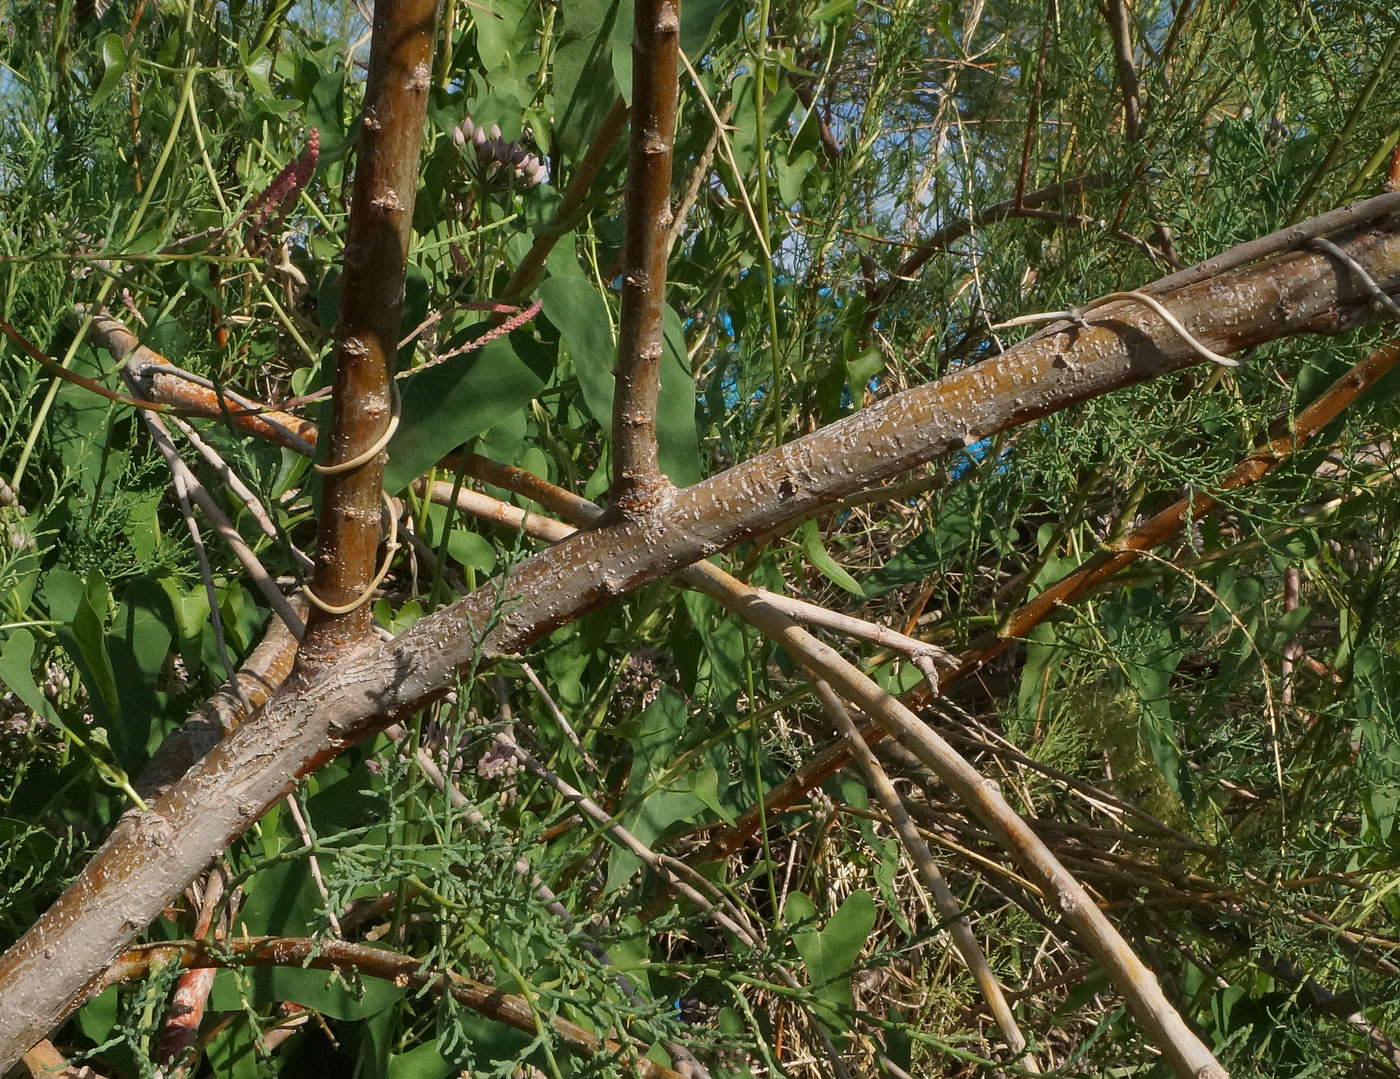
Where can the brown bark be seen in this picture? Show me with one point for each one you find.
(371, 307)
(637, 479)
(1084, 579)
(151, 857)
(403, 970)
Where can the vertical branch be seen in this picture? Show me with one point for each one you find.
(367, 333)
(1127, 72)
(637, 478)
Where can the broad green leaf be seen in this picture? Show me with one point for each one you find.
(584, 86)
(258, 69)
(114, 67)
(316, 989)
(84, 638)
(424, 1062)
(677, 442)
(17, 672)
(821, 559)
(581, 314)
(497, 30)
(460, 399)
(137, 646)
(829, 953)
(724, 643)
(931, 552)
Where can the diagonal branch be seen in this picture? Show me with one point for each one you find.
(1064, 894)
(1081, 581)
(637, 479)
(367, 331)
(959, 927)
(150, 857)
(403, 970)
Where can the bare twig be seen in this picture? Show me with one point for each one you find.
(205, 501)
(1127, 70)
(947, 903)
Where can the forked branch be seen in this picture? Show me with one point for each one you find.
(151, 857)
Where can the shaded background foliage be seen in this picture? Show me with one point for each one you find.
(1239, 823)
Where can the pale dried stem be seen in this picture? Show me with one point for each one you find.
(559, 717)
(206, 574)
(197, 493)
(1065, 895)
(44, 1061)
(947, 903)
(241, 491)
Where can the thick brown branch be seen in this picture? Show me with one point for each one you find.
(1088, 576)
(310, 721)
(371, 306)
(637, 479)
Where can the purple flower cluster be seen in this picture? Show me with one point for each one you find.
(500, 160)
(267, 210)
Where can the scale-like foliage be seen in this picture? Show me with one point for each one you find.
(1207, 740)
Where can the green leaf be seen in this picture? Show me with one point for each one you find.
(583, 72)
(84, 639)
(318, 990)
(574, 305)
(677, 442)
(114, 67)
(17, 672)
(829, 953)
(818, 556)
(462, 398)
(258, 68)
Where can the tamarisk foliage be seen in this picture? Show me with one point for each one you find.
(833, 539)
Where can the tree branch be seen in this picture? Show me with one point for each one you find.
(637, 479)
(152, 856)
(367, 331)
(1082, 580)
(402, 970)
